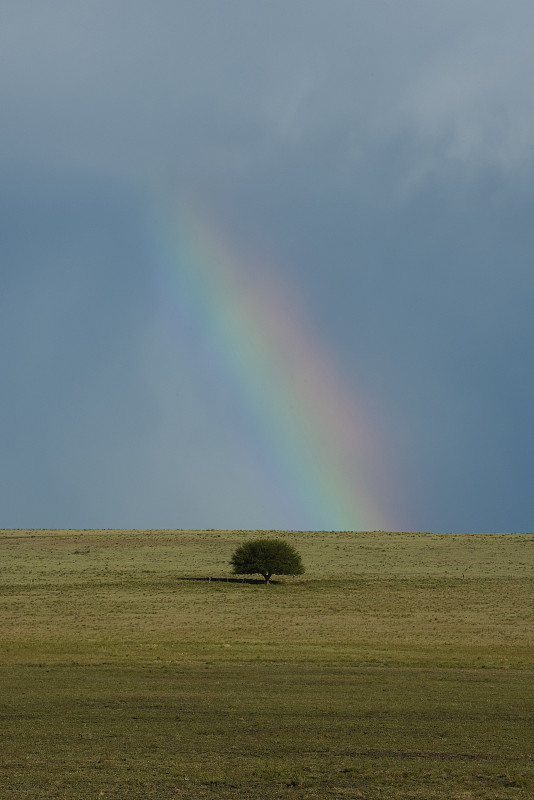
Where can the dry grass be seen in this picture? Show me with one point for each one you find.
(398, 666)
(381, 597)
(64, 556)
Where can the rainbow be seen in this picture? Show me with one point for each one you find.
(319, 440)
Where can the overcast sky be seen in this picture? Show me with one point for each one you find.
(373, 159)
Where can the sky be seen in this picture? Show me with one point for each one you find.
(267, 265)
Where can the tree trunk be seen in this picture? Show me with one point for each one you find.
(268, 577)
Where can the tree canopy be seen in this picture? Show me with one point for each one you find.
(266, 557)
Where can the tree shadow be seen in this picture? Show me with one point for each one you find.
(229, 579)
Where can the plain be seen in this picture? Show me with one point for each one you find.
(135, 665)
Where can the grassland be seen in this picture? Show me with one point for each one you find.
(398, 666)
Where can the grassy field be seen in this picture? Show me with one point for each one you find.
(399, 666)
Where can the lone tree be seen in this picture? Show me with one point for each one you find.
(266, 557)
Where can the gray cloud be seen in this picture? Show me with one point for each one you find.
(118, 85)
(379, 154)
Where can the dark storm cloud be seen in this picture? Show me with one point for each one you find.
(381, 152)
